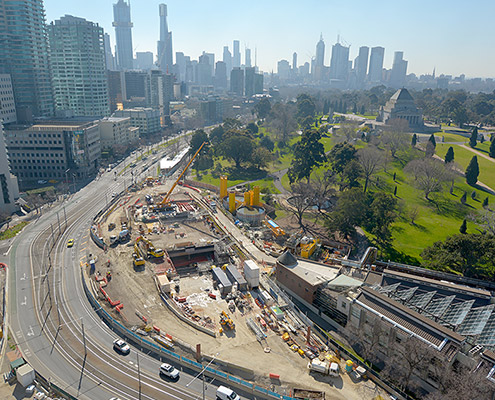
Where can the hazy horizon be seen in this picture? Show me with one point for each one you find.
(448, 36)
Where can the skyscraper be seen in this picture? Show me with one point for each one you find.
(144, 60)
(376, 64)
(362, 64)
(123, 35)
(249, 78)
(399, 70)
(220, 75)
(247, 58)
(78, 66)
(227, 59)
(109, 59)
(294, 62)
(165, 55)
(9, 190)
(236, 61)
(320, 52)
(237, 81)
(339, 63)
(24, 55)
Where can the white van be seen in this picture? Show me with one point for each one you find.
(224, 393)
(334, 369)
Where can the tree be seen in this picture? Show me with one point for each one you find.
(491, 152)
(267, 143)
(348, 212)
(237, 148)
(394, 141)
(370, 159)
(301, 201)
(485, 202)
(449, 157)
(281, 120)
(380, 215)
(430, 175)
(472, 171)
(349, 178)
(261, 157)
(474, 137)
(197, 139)
(305, 107)
(412, 355)
(463, 198)
(414, 140)
(470, 254)
(262, 108)
(252, 128)
(340, 155)
(308, 154)
(463, 228)
(433, 140)
(430, 149)
(216, 134)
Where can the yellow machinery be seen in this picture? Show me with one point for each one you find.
(165, 202)
(307, 249)
(137, 258)
(251, 197)
(276, 230)
(150, 249)
(223, 186)
(226, 321)
(150, 180)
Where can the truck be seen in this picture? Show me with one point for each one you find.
(323, 367)
(224, 393)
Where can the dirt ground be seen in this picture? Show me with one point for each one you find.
(137, 291)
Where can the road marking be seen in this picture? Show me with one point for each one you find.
(85, 242)
(83, 249)
(31, 331)
(24, 302)
(23, 277)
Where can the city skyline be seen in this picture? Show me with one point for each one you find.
(429, 35)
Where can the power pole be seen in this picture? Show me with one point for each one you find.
(139, 374)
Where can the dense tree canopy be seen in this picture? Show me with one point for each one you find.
(309, 153)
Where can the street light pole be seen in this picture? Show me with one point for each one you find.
(139, 374)
(202, 374)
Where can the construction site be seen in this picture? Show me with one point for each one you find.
(170, 265)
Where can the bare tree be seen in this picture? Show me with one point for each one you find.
(486, 219)
(302, 200)
(282, 121)
(371, 160)
(409, 357)
(413, 214)
(367, 343)
(429, 174)
(348, 131)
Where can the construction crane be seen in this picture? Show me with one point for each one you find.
(160, 206)
(150, 249)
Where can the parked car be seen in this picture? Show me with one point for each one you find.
(169, 370)
(121, 346)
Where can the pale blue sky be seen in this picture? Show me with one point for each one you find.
(455, 36)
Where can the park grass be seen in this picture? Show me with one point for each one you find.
(266, 183)
(11, 232)
(437, 219)
(463, 156)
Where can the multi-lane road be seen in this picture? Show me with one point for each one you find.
(52, 321)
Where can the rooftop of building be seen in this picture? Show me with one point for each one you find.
(69, 123)
(402, 94)
(312, 272)
(115, 119)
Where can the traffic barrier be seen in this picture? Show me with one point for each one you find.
(274, 376)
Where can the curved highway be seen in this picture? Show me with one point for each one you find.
(52, 321)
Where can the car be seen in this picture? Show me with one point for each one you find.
(133, 165)
(114, 194)
(42, 181)
(169, 370)
(121, 346)
(70, 243)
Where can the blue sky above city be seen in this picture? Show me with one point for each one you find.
(454, 36)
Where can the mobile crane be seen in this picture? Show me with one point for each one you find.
(161, 206)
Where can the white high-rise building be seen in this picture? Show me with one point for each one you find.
(7, 103)
(165, 55)
(9, 189)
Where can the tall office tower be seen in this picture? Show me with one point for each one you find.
(7, 102)
(320, 52)
(236, 60)
(249, 81)
(24, 55)
(165, 55)
(180, 66)
(227, 59)
(237, 81)
(159, 90)
(339, 63)
(144, 60)
(294, 62)
(399, 70)
(78, 66)
(361, 65)
(283, 69)
(247, 58)
(211, 61)
(204, 70)
(109, 58)
(376, 64)
(123, 35)
(221, 75)
(9, 189)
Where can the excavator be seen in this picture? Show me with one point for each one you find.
(165, 203)
(226, 321)
(150, 249)
(137, 258)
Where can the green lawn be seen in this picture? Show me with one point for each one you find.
(11, 232)
(463, 156)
